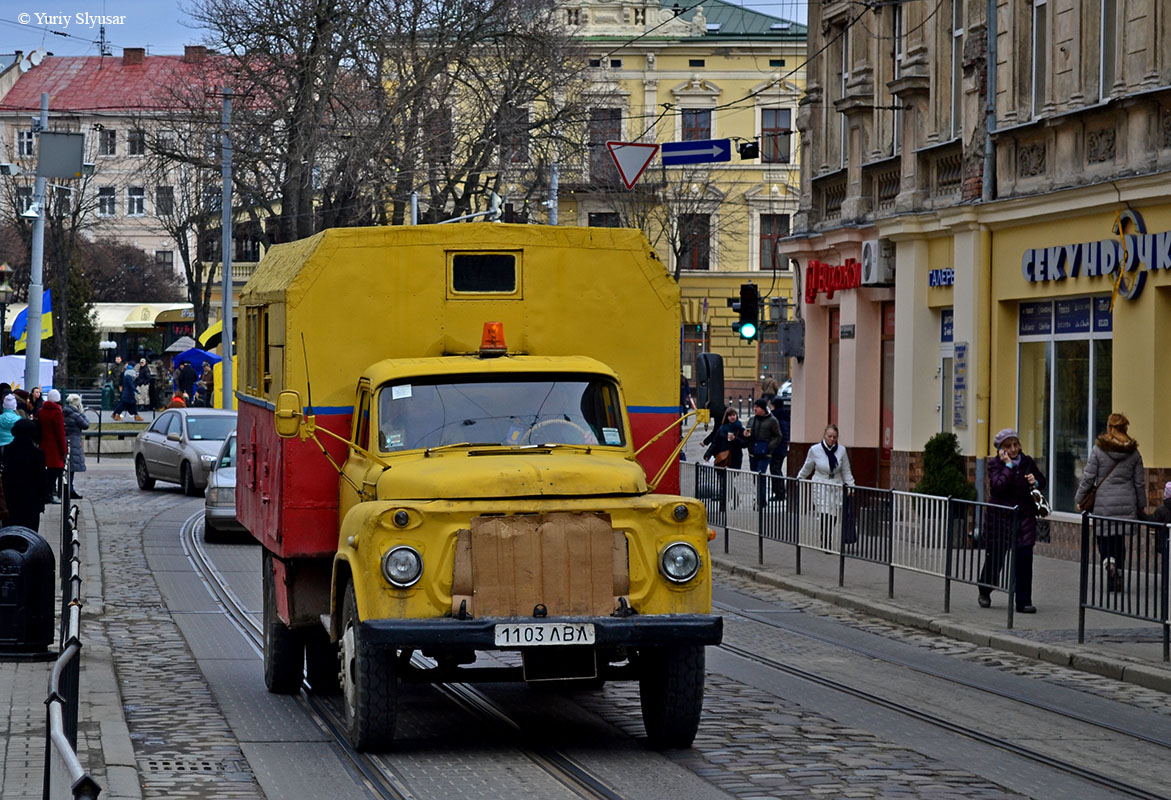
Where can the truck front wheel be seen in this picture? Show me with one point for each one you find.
(670, 687)
(284, 655)
(369, 684)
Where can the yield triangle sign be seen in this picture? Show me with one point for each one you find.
(632, 159)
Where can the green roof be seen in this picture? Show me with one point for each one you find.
(729, 19)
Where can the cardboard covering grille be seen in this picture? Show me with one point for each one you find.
(573, 564)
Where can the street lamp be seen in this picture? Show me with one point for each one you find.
(5, 298)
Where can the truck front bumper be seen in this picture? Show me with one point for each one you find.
(480, 634)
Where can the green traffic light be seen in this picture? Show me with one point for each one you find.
(747, 330)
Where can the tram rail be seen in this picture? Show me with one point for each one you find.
(376, 774)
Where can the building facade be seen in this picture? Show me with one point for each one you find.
(1012, 264)
(716, 71)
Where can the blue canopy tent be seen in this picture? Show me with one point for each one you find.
(196, 357)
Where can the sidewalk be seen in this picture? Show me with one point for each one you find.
(1118, 647)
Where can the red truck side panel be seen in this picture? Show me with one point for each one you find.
(643, 426)
(287, 492)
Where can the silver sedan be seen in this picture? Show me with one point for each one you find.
(220, 500)
(181, 446)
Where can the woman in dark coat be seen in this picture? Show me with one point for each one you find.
(75, 423)
(728, 437)
(1012, 476)
(1115, 468)
(24, 476)
(52, 423)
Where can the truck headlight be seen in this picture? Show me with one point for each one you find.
(679, 562)
(402, 566)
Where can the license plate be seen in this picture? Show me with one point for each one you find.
(532, 634)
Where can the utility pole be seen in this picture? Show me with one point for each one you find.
(226, 246)
(32, 353)
(554, 188)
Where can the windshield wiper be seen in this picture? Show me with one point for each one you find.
(437, 448)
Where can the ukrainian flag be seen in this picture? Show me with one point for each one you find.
(20, 325)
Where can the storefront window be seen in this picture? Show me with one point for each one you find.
(946, 375)
(1064, 380)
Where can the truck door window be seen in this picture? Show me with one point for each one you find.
(362, 421)
(518, 411)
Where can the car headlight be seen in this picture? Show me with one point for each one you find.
(221, 496)
(207, 460)
(679, 562)
(402, 566)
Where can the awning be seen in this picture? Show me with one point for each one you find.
(183, 314)
(142, 318)
(211, 337)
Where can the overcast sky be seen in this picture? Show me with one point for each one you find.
(159, 25)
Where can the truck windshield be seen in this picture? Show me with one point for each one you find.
(522, 410)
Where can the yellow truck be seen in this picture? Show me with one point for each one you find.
(447, 448)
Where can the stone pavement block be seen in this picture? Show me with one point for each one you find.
(1151, 678)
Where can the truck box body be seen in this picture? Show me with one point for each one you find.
(319, 312)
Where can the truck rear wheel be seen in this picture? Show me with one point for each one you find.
(369, 684)
(670, 687)
(284, 655)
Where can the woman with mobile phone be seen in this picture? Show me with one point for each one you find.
(1012, 476)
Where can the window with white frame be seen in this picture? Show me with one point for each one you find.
(107, 201)
(1040, 53)
(1109, 48)
(107, 142)
(165, 258)
(1064, 375)
(775, 135)
(773, 228)
(605, 125)
(135, 201)
(136, 143)
(25, 143)
(957, 66)
(695, 233)
(946, 374)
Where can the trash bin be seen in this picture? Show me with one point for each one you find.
(108, 396)
(27, 583)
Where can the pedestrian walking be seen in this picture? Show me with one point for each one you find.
(725, 450)
(128, 402)
(8, 419)
(768, 387)
(142, 381)
(776, 464)
(1114, 484)
(75, 423)
(763, 436)
(52, 424)
(1012, 477)
(828, 464)
(24, 476)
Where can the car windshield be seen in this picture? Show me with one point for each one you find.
(228, 454)
(522, 410)
(210, 427)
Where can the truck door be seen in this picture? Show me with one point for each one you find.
(361, 471)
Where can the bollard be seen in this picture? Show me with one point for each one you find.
(27, 604)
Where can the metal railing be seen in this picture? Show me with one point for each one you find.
(64, 774)
(956, 540)
(1124, 571)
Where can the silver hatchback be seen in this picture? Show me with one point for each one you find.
(181, 446)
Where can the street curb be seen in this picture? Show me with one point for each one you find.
(1096, 663)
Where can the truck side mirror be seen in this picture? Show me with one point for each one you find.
(288, 414)
(709, 383)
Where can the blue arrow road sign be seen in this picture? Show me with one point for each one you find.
(701, 152)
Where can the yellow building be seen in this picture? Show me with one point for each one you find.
(713, 72)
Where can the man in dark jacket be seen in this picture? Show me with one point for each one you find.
(185, 380)
(764, 437)
(24, 476)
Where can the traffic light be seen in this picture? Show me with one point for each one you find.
(748, 308)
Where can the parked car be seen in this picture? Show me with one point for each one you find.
(181, 446)
(220, 498)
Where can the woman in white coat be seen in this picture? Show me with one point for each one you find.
(827, 462)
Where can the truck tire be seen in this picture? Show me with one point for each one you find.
(284, 655)
(369, 685)
(321, 663)
(670, 687)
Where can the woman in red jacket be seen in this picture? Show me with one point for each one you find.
(52, 422)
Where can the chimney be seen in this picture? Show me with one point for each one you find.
(194, 54)
(133, 55)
